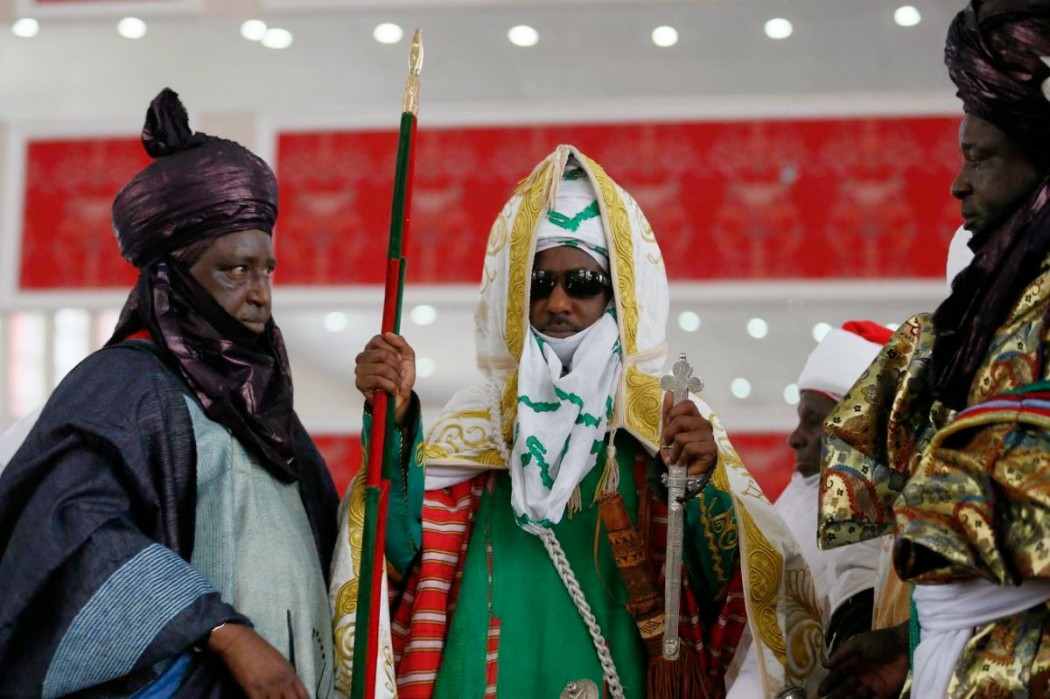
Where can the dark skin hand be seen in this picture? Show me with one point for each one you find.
(259, 668)
(687, 438)
(388, 363)
(872, 665)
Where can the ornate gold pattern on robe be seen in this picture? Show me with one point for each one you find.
(968, 494)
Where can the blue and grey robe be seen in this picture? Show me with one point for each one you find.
(98, 520)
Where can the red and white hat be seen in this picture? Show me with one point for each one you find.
(842, 356)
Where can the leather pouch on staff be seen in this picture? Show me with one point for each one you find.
(682, 678)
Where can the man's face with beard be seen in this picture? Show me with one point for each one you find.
(561, 313)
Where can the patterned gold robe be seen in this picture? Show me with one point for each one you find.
(968, 493)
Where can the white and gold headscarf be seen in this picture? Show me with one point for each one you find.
(475, 430)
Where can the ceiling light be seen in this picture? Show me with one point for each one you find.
(425, 366)
(131, 28)
(388, 33)
(336, 321)
(820, 330)
(757, 328)
(25, 27)
(791, 396)
(665, 36)
(689, 321)
(779, 28)
(741, 388)
(523, 35)
(275, 38)
(907, 16)
(423, 314)
(253, 30)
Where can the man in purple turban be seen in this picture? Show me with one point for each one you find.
(166, 527)
(945, 440)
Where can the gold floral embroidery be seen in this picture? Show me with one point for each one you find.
(460, 431)
(764, 567)
(802, 619)
(643, 397)
(346, 598)
(521, 246)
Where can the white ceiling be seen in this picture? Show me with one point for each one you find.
(594, 59)
(594, 62)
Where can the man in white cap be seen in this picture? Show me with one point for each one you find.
(525, 536)
(844, 578)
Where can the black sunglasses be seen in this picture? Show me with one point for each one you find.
(578, 283)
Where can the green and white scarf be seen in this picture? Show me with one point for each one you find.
(561, 422)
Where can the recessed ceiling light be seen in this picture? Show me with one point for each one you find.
(689, 321)
(523, 35)
(131, 28)
(336, 321)
(275, 38)
(388, 33)
(665, 36)
(757, 328)
(25, 27)
(791, 396)
(253, 30)
(907, 16)
(741, 388)
(425, 366)
(423, 314)
(820, 330)
(779, 28)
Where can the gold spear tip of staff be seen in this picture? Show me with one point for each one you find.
(415, 54)
(415, 65)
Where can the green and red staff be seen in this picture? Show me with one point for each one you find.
(382, 461)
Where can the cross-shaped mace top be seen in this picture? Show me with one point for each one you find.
(681, 380)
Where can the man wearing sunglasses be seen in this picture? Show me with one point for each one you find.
(526, 535)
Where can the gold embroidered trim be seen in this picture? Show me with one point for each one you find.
(488, 460)
(764, 570)
(459, 432)
(619, 224)
(346, 598)
(521, 246)
(643, 396)
(509, 406)
(432, 452)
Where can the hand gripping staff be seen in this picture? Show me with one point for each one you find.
(382, 461)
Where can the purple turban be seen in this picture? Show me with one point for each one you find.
(997, 53)
(198, 187)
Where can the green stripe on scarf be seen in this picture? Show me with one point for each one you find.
(539, 406)
(573, 223)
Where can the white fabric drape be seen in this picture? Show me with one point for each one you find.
(948, 615)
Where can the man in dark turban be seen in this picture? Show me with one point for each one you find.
(946, 439)
(166, 527)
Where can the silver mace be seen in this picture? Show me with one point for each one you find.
(679, 383)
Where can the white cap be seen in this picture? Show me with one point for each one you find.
(841, 357)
